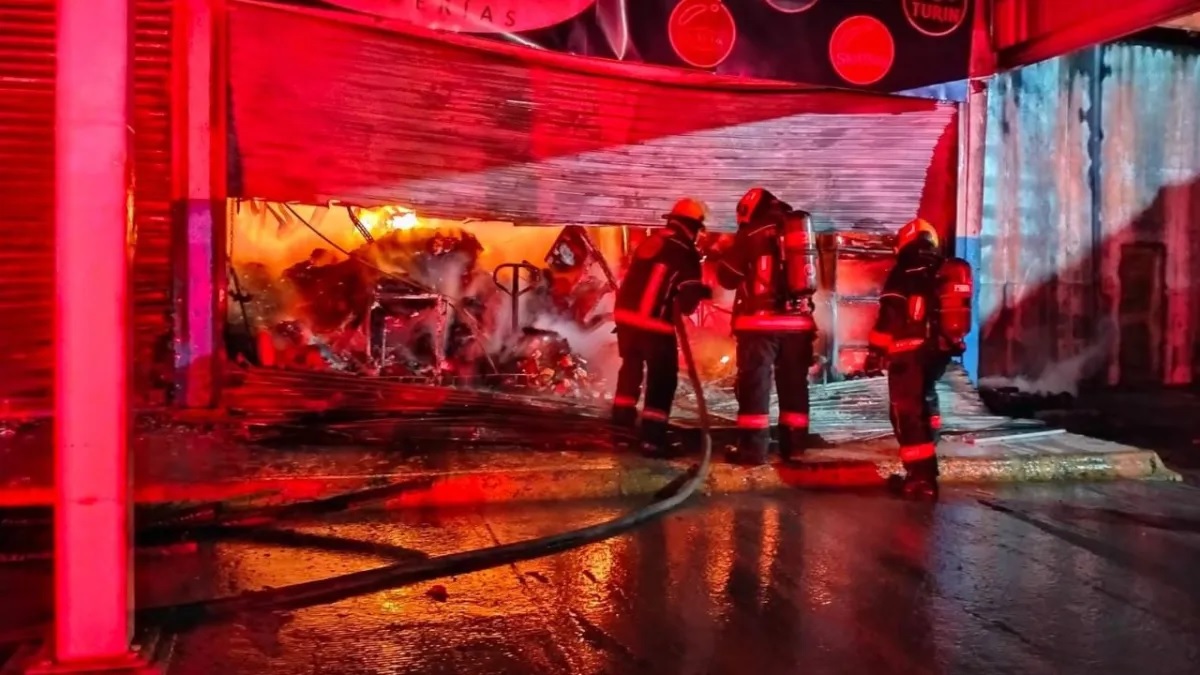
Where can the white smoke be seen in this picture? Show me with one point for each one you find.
(1062, 377)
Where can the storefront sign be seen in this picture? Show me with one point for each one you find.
(702, 32)
(896, 45)
(472, 16)
(862, 50)
(935, 18)
(791, 6)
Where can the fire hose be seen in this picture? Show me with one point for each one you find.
(334, 589)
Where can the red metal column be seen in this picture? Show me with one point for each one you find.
(93, 215)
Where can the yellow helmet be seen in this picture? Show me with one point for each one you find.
(689, 209)
(915, 229)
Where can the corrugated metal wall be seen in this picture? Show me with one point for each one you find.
(152, 147)
(27, 72)
(1054, 222)
(329, 109)
(27, 53)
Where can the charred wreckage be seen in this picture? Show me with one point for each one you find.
(417, 305)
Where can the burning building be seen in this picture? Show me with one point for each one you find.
(466, 137)
(465, 188)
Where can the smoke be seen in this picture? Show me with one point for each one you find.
(1062, 377)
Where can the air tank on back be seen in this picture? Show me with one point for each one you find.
(799, 248)
(954, 281)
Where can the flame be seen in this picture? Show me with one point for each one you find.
(404, 221)
(380, 221)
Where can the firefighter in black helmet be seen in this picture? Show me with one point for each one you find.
(924, 317)
(663, 274)
(772, 266)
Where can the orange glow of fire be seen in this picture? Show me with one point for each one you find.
(270, 235)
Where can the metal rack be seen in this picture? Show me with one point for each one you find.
(854, 264)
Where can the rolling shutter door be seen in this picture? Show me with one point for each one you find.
(151, 277)
(27, 109)
(27, 72)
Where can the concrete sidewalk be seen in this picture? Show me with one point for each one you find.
(174, 466)
(440, 446)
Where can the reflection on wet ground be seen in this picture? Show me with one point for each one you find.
(1095, 579)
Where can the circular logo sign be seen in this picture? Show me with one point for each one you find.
(935, 18)
(702, 32)
(862, 50)
(791, 6)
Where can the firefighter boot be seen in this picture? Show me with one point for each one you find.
(654, 437)
(920, 480)
(751, 449)
(793, 441)
(624, 426)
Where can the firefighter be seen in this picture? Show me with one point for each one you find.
(772, 267)
(664, 274)
(924, 317)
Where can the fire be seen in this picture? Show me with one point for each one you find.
(404, 221)
(385, 219)
(298, 290)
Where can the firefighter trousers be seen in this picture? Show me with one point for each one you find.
(913, 401)
(789, 356)
(655, 357)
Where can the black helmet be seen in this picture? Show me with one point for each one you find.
(755, 202)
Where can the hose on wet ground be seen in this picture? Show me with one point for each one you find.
(337, 588)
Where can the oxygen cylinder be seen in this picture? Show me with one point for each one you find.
(799, 253)
(954, 289)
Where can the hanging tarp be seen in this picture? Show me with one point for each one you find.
(330, 107)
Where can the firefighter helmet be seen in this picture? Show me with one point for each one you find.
(752, 203)
(688, 209)
(916, 229)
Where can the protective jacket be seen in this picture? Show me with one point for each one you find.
(907, 306)
(665, 267)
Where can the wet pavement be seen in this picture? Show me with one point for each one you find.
(1029, 579)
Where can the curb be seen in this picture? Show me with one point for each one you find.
(630, 477)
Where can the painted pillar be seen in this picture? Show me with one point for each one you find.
(93, 248)
(973, 141)
(970, 205)
(200, 198)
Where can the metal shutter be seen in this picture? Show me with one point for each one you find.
(151, 277)
(27, 102)
(27, 72)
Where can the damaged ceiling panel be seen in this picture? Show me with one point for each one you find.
(325, 107)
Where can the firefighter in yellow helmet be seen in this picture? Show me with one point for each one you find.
(664, 274)
(924, 316)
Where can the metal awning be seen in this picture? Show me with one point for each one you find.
(1027, 31)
